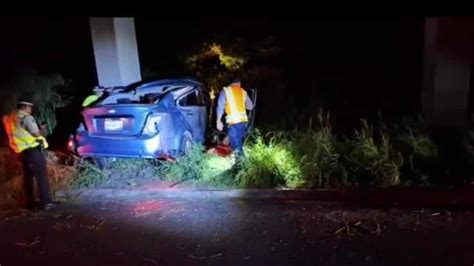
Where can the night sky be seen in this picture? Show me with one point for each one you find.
(366, 64)
(60, 45)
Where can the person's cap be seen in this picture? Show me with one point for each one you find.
(24, 102)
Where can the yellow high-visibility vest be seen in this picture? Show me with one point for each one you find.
(19, 138)
(89, 100)
(235, 105)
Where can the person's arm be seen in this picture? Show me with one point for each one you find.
(248, 102)
(31, 126)
(220, 110)
(220, 105)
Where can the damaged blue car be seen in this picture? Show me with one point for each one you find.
(144, 120)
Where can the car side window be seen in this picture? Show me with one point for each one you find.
(193, 98)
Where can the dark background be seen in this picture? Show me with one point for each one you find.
(354, 68)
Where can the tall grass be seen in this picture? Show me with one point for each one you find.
(87, 175)
(373, 160)
(420, 153)
(320, 155)
(269, 161)
(201, 167)
(298, 159)
(312, 158)
(191, 166)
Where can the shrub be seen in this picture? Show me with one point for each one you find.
(215, 65)
(320, 156)
(44, 91)
(190, 166)
(87, 176)
(420, 152)
(268, 163)
(374, 162)
(219, 172)
(60, 175)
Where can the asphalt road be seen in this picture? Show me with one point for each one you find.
(138, 231)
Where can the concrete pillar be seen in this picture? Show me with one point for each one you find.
(447, 70)
(115, 51)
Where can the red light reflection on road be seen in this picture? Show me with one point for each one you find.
(141, 208)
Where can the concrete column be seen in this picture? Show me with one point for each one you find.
(115, 51)
(447, 70)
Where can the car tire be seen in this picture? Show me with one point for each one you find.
(100, 162)
(186, 143)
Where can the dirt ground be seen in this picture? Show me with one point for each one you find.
(137, 231)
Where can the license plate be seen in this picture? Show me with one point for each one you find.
(113, 124)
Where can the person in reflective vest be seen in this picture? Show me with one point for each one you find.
(92, 99)
(25, 139)
(235, 102)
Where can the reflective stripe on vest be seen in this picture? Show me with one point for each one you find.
(19, 138)
(235, 105)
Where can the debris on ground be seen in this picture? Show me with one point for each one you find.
(151, 261)
(97, 225)
(339, 230)
(358, 227)
(35, 242)
(379, 229)
(299, 224)
(61, 226)
(205, 257)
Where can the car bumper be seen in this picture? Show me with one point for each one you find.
(129, 147)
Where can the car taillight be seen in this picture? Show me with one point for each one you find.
(71, 143)
(152, 124)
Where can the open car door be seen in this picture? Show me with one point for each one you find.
(252, 93)
(195, 112)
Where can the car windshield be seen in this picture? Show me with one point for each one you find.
(152, 98)
(120, 98)
(129, 98)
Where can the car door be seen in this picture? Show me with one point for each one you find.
(252, 93)
(194, 110)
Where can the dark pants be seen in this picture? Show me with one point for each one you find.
(34, 166)
(236, 137)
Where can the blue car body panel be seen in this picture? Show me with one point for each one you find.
(124, 125)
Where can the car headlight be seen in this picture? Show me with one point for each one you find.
(152, 125)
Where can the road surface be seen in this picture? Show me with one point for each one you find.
(158, 231)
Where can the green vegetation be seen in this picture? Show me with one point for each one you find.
(316, 158)
(373, 156)
(87, 176)
(43, 90)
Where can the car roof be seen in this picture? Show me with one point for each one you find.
(177, 87)
(185, 82)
